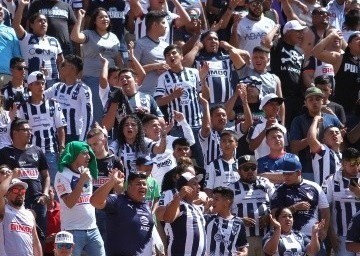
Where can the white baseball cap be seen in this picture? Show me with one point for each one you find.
(270, 97)
(35, 76)
(64, 237)
(15, 182)
(293, 25)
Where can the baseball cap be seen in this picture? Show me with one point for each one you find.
(271, 97)
(246, 159)
(144, 161)
(15, 182)
(35, 76)
(313, 91)
(289, 164)
(64, 237)
(293, 25)
(186, 177)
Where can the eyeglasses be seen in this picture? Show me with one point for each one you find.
(24, 129)
(18, 190)
(248, 168)
(21, 68)
(62, 245)
(193, 16)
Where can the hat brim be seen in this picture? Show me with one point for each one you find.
(314, 94)
(20, 183)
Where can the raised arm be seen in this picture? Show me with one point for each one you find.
(19, 30)
(184, 16)
(135, 8)
(271, 245)
(206, 123)
(235, 54)
(4, 186)
(76, 35)
(103, 82)
(314, 143)
(135, 64)
(71, 199)
(267, 41)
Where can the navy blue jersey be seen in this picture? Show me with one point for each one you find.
(129, 226)
(268, 164)
(353, 234)
(224, 237)
(308, 191)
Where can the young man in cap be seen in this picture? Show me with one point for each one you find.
(73, 184)
(31, 162)
(223, 223)
(64, 244)
(251, 202)
(304, 198)
(128, 211)
(46, 118)
(18, 226)
(287, 62)
(301, 124)
(223, 171)
(183, 238)
(270, 104)
(342, 190)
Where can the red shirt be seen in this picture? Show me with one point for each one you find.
(52, 225)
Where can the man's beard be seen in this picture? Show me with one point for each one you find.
(18, 202)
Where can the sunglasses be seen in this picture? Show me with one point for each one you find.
(21, 68)
(193, 16)
(18, 190)
(64, 245)
(322, 13)
(248, 168)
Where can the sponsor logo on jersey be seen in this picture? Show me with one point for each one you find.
(17, 227)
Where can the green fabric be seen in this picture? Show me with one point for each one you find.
(71, 152)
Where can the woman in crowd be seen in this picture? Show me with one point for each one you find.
(41, 52)
(283, 239)
(95, 40)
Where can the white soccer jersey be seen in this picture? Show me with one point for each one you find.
(344, 203)
(221, 173)
(252, 200)
(44, 119)
(76, 103)
(5, 123)
(251, 32)
(41, 53)
(188, 102)
(324, 163)
(140, 28)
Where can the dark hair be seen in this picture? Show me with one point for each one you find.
(181, 142)
(148, 117)
(139, 144)
(216, 107)
(76, 61)
(136, 175)
(224, 192)
(230, 133)
(16, 123)
(350, 153)
(153, 17)
(173, 47)
(205, 34)
(273, 128)
(354, 35)
(323, 79)
(169, 181)
(93, 17)
(261, 49)
(34, 16)
(279, 211)
(329, 127)
(352, 19)
(112, 70)
(130, 70)
(15, 61)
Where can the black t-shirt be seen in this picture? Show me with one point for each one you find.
(104, 166)
(287, 63)
(31, 162)
(116, 11)
(60, 16)
(11, 97)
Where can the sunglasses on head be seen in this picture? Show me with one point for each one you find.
(249, 168)
(18, 190)
(63, 245)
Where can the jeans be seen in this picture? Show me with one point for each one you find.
(40, 219)
(101, 223)
(342, 248)
(51, 159)
(88, 240)
(93, 83)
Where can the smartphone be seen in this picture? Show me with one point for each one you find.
(354, 181)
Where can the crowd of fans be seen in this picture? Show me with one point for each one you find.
(179, 127)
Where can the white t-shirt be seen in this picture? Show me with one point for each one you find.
(251, 32)
(5, 122)
(82, 215)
